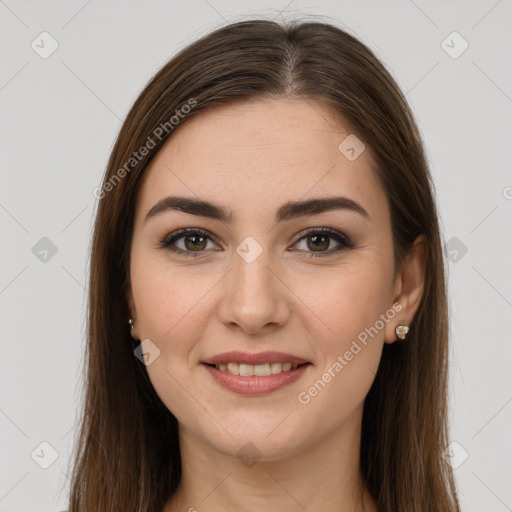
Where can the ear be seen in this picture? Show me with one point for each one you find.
(132, 311)
(408, 287)
(129, 301)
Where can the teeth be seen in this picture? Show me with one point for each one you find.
(262, 369)
(276, 368)
(234, 368)
(246, 370)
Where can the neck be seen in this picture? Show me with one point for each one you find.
(322, 477)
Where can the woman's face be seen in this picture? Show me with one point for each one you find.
(264, 278)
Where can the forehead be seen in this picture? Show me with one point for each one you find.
(256, 155)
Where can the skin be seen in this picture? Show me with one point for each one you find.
(252, 158)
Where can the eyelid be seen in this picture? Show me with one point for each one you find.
(334, 233)
(343, 240)
(167, 241)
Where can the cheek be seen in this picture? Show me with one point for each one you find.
(350, 336)
(166, 299)
(171, 307)
(347, 300)
(349, 305)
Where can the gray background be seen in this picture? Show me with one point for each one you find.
(60, 117)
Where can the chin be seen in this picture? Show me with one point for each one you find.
(267, 441)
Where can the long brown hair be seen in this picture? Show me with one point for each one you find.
(127, 454)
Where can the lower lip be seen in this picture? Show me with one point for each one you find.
(256, 385)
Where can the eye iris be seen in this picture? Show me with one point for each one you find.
(316, 238)
(195, 245)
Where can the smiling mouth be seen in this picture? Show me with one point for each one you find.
(260, 370)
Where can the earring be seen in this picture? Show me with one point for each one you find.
(130, 322)
(401, 331)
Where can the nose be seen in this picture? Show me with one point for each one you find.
(255, 296)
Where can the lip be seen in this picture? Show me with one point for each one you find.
(256, 385)
(237, 356)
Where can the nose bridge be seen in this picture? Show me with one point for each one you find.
(255, 296)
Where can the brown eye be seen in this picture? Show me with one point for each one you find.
(194, 241)
(318, 241)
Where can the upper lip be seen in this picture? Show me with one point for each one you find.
(236, 356)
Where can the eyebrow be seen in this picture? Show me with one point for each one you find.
(287, 211)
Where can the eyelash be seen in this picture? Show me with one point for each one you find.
(343, 240)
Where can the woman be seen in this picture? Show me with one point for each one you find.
(267, 317)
